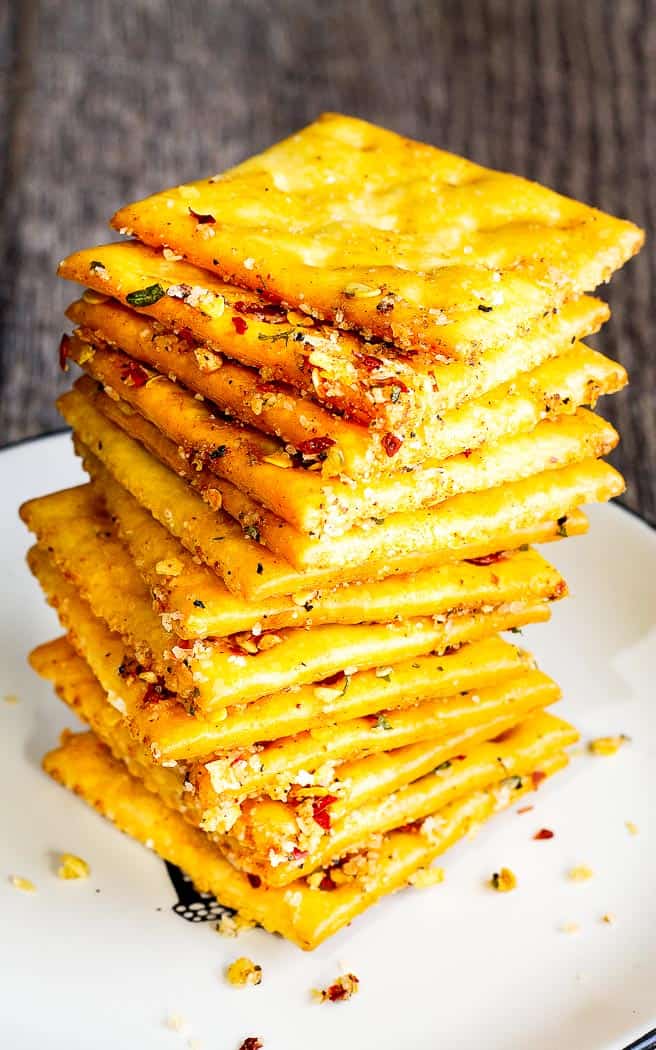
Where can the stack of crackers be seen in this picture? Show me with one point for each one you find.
(331, 398)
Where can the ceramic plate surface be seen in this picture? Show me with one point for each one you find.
(104, 963)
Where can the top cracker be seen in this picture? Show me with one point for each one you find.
(402, 241)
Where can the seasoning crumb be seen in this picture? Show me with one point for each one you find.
(177, 1023)
(632, 828)
(252, 1042)
(608, 918)
(10, 698)
(21, 883)
(569, 927)
(503, 880)
(232, 925)
(340, 990)
(608, 745)
(424, 877)
(72, 867)
(169, 567)
(244, 971)
(581, 873)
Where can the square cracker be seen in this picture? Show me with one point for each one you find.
(402, 241)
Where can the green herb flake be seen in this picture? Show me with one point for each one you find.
(382, 723)
(145, 296)
(524, 547)
(260, 568)
(199, 604)
(443, 766)
(252, 532)
(515, 630)
(562, 526)
(95, 265)
(218, 452)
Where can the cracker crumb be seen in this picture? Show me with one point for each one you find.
(503, 880)
(581, 873)
(252, 1042)
(608, 745)
(608, 918)
(632, 828)
(10, 698)
(21, 883)
(425, 877)
(177, 1024)
(244, 971)
(72, 867)
(569, 927)
(232, 925)
(340, 990)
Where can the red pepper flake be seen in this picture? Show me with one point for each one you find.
(524, 809)
(315, 446)
(154, 695)
(371, 363)
(252, 1043)
(414, 825)
(393, 382)
(267, 386)
(327, 884)
(341, 989)
(238, 758)
(467, 452)
(254, 880)
(133, 374)
(459, 758)
(239, 325)
(298, 854)
(202, 218)
(488, 559)
(268, 312)
(543, 833)
(320, 811)
(391, 444)
(64, 352)
(537, 778)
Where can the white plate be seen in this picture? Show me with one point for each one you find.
(102, 964)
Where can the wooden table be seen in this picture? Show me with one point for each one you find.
(103, 102)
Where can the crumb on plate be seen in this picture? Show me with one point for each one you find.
(503, 880)
(608, 745)
(244, 971)
(21, 883)
(72, 867)
(581, 873)
(339, 991)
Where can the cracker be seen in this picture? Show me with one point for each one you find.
(289, 486)
(267, 844)
(394, 238)
(370, 385)
(212, 675)
(554, 442)
(195, 599)
(170, 733)
(304, 915)
(362, 780)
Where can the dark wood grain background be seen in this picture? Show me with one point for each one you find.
(102, 102)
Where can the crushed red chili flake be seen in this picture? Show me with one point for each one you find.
(254, 880)
(64, 352)
(320, 812)
(133, 374)
(270, 313)
(524, 809)
(371, 363)
(341, 989)
(154, 695)
(267, 386)
(391, 443)
(467, 452)
(298, 854)
(252, 1043)
(537, 777)
(543, 833)
(202, 218)
(240, 325)
(315, 446)
(414, 825)
(487, 559)
(327, 884)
